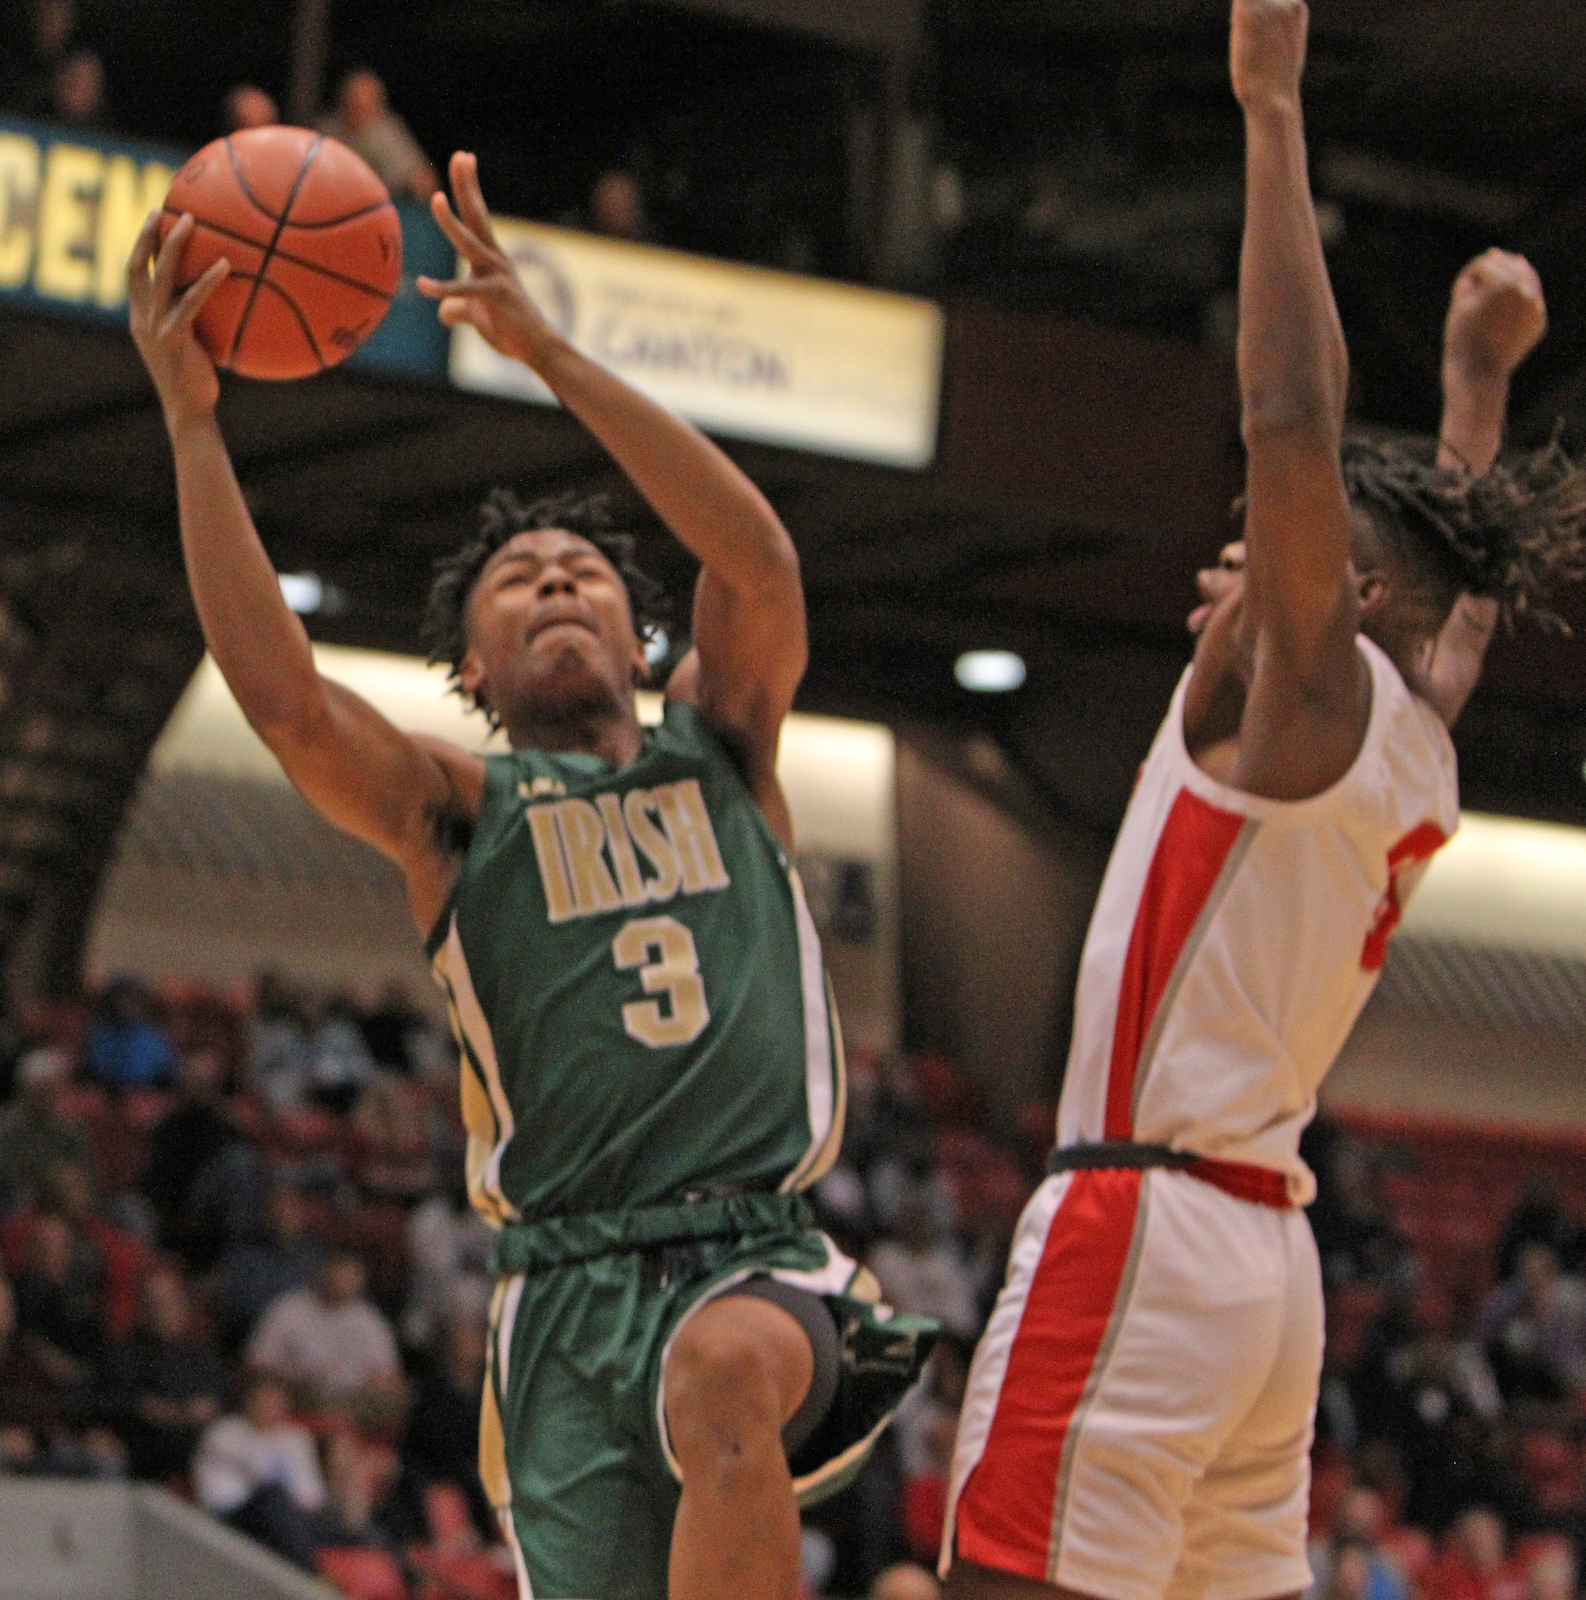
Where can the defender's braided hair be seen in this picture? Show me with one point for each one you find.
(1516, 533)
(501, 518)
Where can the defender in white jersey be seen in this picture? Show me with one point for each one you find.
(1139, 1413)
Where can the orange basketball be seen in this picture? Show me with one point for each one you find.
(313, 241)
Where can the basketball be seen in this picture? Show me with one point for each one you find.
(314, 244)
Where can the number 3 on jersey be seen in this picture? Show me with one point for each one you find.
(663, 951)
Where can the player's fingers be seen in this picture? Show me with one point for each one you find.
(471, 205)
(192, 302)
(455, 310)
(467, 245)
(139, 289)
(441, 288)
(166, 263)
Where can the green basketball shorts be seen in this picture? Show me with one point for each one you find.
(573, 1445)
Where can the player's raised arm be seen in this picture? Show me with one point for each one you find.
(347, 760)
(1496, 317)
(1308, 690)
(749, 625)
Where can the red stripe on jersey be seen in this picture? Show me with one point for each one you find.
(1005, 1511)
(1417, 846)
(1190, 854)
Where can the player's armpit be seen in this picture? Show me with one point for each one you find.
(413, 798)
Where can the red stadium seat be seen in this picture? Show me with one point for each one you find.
(463, 1577)
(363, 1574)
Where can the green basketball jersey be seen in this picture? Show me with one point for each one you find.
(636, 985)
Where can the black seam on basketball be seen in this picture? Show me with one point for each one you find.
(262, 282)
(297, 261)
(214, 227)
(264, 266)
(242, 183)
(351, 216)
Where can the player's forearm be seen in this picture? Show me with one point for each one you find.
(711, 506)
(1474, 407)
(1293, 365)
(260, 647)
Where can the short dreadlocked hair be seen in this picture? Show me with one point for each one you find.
(1516, 533)
(501, 518)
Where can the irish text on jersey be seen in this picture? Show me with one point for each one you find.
(623, 850)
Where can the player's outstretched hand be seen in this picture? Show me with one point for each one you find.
(491, 297)
(162, 320)
(1218, 584)
(1496, 316)
(1267, 51)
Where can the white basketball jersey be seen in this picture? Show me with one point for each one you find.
(1236, 939)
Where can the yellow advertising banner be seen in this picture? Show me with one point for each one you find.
(741, 351)
(70, 210)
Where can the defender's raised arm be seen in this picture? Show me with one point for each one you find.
(749, 625)
(346, 759)
(1308, 691)
(1496, 317)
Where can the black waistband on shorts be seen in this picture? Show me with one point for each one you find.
(1262, 1186)
(1115, 1155)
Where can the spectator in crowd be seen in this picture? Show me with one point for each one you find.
(1355, 1237)
(1477, 1564)
(394, 1030)
(278, 1053)
(44, 39)
(1358, 1526)
(249, 106)
(1550, 1574)
(922, 1271)
(58, 1310)
(108, 1257)
(905, 1581)
(1534, 1330)
(259, 1471)
(166, 1385)
(448, 1263)
(204, 1179)
(392, 1155)
(48, 1426)
(126, 1048)
(339, 1064)
(34, 1136)
(442, 1443)
(365, 123)
(1540, 1217)
(1349, 1571)
(29, 1397)
(256, 1270)
(77, 92)
(616, 206)
(329, 1341)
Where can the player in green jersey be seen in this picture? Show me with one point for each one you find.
(651, 1067)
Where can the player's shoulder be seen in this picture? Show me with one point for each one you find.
(1408, 746)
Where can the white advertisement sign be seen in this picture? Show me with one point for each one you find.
(741, 351)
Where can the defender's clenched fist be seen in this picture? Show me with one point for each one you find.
(1496, 316)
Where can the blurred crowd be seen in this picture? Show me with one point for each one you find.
(52, 70)
(238, 1260)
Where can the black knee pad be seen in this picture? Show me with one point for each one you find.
(812, 1315)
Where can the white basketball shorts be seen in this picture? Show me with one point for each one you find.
(1139, 1414)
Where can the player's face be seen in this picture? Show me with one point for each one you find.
(550, 628)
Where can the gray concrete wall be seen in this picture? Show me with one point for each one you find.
(87, 1541)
